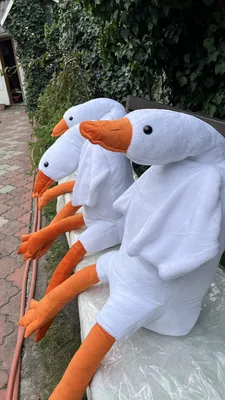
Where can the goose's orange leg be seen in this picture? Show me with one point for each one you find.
(42, 311)
(54, 192)
(94, 348)
(67, 211)
(38, 240)
(62, 272)
(83, 365)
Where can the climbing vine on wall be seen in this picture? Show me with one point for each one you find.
(129, 47)
(58, 96)
(185, 40)
(26, 22)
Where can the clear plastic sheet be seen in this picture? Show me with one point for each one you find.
(148, 366)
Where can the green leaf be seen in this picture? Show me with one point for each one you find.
(212, 109)
(187, 58)
(125, 33)
(208, 2)
(212, 56)
(220, 68)
(166, 9)
(194, 75)
(209, 44)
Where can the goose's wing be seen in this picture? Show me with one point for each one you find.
(183, 233)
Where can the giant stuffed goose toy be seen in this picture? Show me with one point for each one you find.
(173, 239)
(62, 159)
(102, 177)
(96, 109)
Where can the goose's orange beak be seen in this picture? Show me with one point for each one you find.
(111, 135)
(60, 128)
(41, 184)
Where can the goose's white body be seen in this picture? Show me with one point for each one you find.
(102, 177)
(173, 239)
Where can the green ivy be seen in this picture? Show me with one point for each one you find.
(181, 41)
(26, 22)
(170, 50)
(68, 87)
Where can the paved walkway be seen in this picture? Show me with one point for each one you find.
(15, 207)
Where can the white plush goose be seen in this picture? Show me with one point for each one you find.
(102, 177)
(96, 109)
(173, 238)
(174, 232)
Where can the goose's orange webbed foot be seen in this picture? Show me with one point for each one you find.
(40, 241)
(37, 243)
(54, 192)
(38, 314)
(62, 272)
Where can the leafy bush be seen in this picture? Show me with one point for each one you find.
(68, 87)
(180, 41)
(172, 51)
(26, 23)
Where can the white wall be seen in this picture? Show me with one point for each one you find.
(4, 98)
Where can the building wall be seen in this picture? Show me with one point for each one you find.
(20, 71)
(4, 98)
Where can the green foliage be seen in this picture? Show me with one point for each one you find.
(68, 87)
(173, 51)
(81, 30)
(26, 22)
(183, 41)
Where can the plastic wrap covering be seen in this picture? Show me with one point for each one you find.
(148, 366)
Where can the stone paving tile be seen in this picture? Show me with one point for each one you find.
(3, 221)
(23, 231)
(12, 227)
(3, 379)
(3, 394)
(6, 189)
(14, 213)
(6, 328)
(15, 206)
(25, 218)
(8, 265)
(4, 208)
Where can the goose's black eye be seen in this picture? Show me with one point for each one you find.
(147, 129)
(46, 164)
(71, 118)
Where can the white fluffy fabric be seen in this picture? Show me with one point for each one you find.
(102, 176)
(63, 156)
(174, 231)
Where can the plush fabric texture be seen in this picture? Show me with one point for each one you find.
(174, 232)
(102, 177)
(41, 312)
(34, 243)
(53, 193)
(83, 365)
(62, 272)
(96, 109)
(94, 348)
(67, 211)
(70, 145)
